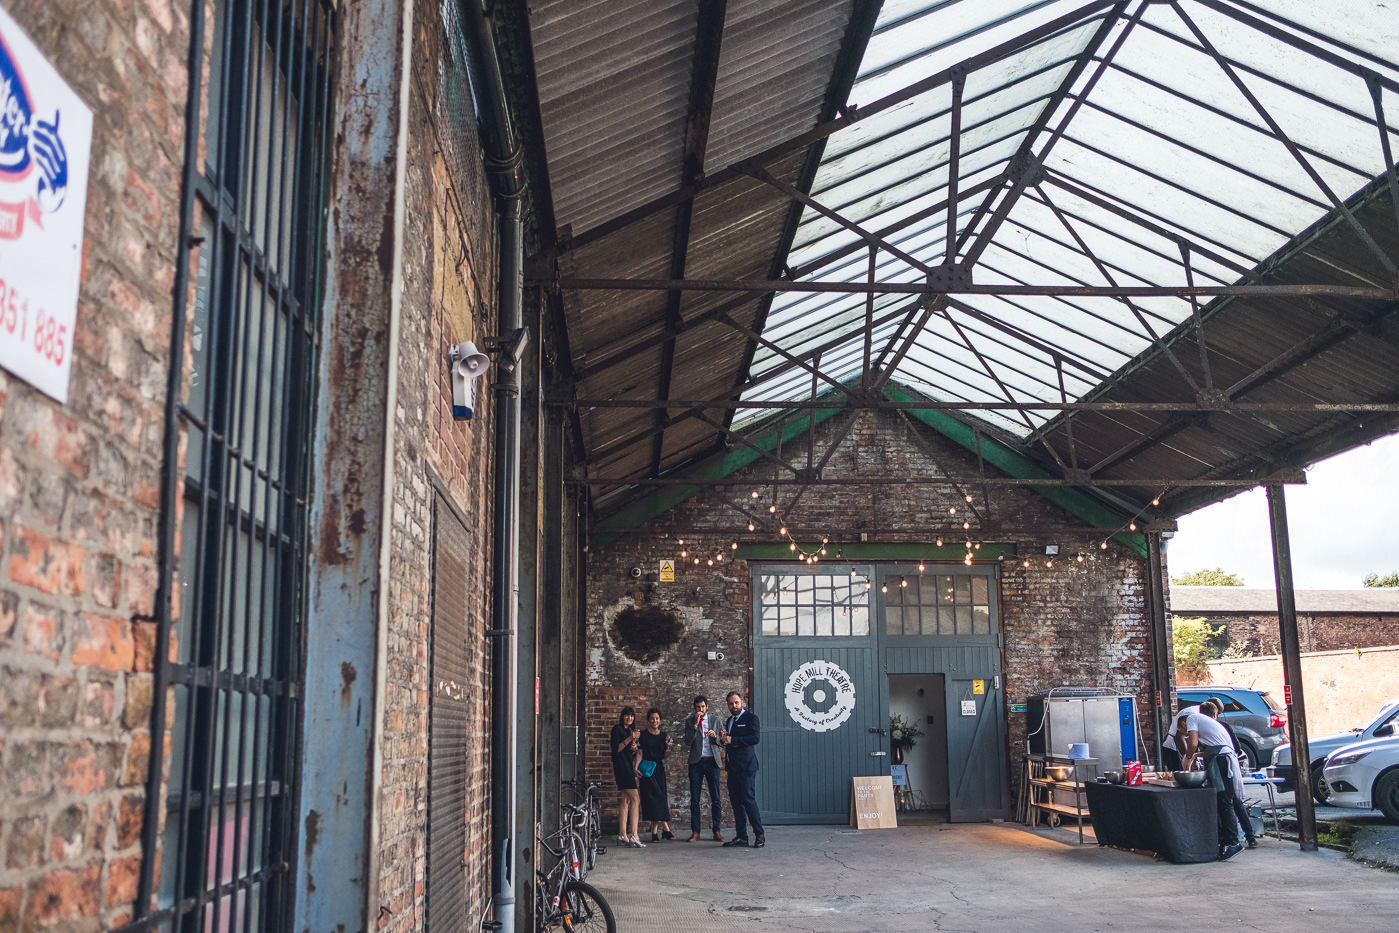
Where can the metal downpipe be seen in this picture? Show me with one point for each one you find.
(503, 167)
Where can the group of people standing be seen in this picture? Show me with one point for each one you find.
(1199, 738)
(638, 766)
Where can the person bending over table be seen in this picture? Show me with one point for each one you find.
(1206, 739)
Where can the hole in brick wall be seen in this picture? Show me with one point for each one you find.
(645, 632)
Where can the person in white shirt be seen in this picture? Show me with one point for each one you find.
(1170, 746)
(1206, 738)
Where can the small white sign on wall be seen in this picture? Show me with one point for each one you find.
(45, 142)
(968, 707)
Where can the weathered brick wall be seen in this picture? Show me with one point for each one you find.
(1070, 624)
(449, 265)
(1258, 634)
(79, 491)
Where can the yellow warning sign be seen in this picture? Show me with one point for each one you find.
(978, 686)
(667, 571)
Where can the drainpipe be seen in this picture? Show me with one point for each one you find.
(503, 167)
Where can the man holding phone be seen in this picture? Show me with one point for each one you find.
(701, 738)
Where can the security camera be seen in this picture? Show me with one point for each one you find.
(636, 572)
(468, 364)
(718, 655)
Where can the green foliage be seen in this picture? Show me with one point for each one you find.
(903, 733)
(1389, 579)
(1190, 640)
(1214, 577)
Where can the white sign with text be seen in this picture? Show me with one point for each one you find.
(45, 143)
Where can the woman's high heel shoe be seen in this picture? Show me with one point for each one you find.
(655, 837)
(635, 843)
(668, 835)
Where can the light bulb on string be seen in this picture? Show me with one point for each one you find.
(903, 583)
(852, 573)
(772, 510)
(782, 531)
(978, 545)
(825, 540)
(966, 526)
(1080, 558)
(1156, 501)
(1132, 525)
(792, 546)
(1026, 565)
(967, 560)
(680, 541)
(684, 553)
(884, 588)
(711, 562)
(969, 500)
(952, 510)
(823, 552)
(754, 494)
(921, 567)
(733, 546)
(1104, 545)
(696, 561)
(939, 542)
(752, 527)
(1049, 563)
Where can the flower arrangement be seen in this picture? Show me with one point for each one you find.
(903, 733)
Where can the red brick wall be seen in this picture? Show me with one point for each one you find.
(1258, 634)
(1070, 624)
(78, 491)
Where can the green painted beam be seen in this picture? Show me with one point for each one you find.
(1014, 464)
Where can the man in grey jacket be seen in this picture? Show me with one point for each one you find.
(701, 738)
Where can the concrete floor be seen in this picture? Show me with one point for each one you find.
(983, 877)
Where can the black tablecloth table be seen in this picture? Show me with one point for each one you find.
(1177, 823)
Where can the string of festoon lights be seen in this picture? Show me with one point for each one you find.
(813, 552)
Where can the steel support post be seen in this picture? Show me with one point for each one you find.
(1292, 669)
(1160, 645)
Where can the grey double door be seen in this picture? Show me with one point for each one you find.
(824, 642)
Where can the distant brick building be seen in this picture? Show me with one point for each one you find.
(1327, 620)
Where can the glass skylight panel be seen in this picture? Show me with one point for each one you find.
(978, 26)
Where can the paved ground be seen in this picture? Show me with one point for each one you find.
(985, 878)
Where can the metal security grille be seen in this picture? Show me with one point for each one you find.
(447, 777)
(231, 640)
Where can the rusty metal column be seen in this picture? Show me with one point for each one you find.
(549, 628)
(1156, 610)
(1292, 669)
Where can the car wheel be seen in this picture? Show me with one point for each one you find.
(1319, 792)
(1386, 795)
(1248, 758)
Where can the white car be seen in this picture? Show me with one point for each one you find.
(1365, 775)
(1319, 748)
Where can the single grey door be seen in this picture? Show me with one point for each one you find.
(976, 762)
(817, 692)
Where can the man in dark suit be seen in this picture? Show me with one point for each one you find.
(701, 738)
(739, 738)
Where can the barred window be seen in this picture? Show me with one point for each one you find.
(938, 604)
(255, 202)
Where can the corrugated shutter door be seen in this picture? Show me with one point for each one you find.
(446, 798)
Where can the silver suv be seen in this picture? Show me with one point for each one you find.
(1321, 747)
(1259, 721)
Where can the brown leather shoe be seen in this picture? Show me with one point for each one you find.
(718, 837)
(694, 837)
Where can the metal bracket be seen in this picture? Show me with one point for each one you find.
(949, 277)
(1078, 476)
(1213, 400)
(808, 475)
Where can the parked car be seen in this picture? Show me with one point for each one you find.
(1259, 721)
(1365, 775)
(1319, 748)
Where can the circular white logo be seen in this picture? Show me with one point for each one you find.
(819, 696)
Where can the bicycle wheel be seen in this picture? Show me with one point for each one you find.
(577, 859)
(586, 909)
(592, 832)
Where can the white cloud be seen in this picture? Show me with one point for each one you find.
(1342, 525)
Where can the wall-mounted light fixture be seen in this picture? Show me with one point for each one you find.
(1051, 550)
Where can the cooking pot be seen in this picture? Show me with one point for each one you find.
(1057, 773)
(1190, 778)
(1112, 777)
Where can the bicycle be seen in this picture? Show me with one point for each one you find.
(589, 822)
(561, 897)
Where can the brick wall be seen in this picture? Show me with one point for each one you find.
(1073, 623)
(78, 491)
(1258, 634)
(449, 265)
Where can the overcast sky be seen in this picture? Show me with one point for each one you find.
(1342, 525)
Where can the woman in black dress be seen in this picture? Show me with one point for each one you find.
(655, 805)
(626, 755)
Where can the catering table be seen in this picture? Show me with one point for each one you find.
(1177, 823)
(1267, 783)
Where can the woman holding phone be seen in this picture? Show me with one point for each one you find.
(626, 758)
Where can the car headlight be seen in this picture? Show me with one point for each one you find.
(1349, 758)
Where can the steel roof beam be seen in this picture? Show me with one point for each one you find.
(922, 288)
(1234, 407)
(1288, 476)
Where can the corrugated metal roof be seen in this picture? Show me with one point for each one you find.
(1259, 600)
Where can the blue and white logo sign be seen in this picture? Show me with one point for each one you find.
(45, 140)
(819, 696)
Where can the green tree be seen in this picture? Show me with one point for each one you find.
(1389, 579)
(1215, 577)
(1190, 639)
